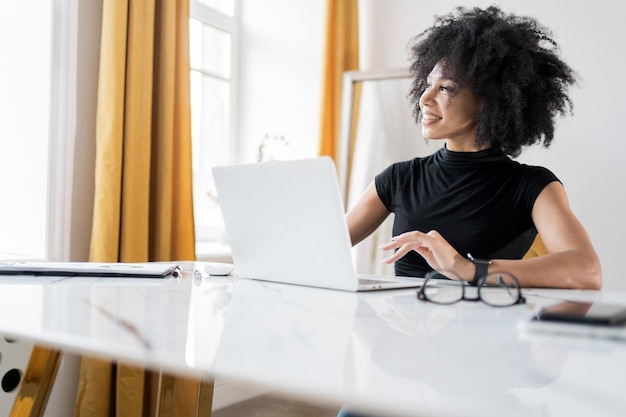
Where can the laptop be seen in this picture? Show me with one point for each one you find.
(285, 223)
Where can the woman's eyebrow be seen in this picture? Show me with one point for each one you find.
(441, 78)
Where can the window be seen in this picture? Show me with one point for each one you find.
(24, 127)
(213, 35)
(226, 7)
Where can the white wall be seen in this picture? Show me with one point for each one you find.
(82, 136)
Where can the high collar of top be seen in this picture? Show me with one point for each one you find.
(459, 159)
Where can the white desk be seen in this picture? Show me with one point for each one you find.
(383, 351)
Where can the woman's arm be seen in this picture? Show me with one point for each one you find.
(366, 216)
(571, 261)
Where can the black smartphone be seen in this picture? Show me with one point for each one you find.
(584, 312)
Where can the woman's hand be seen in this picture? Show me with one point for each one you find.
(439, 254)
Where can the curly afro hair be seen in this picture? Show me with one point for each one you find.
(510, 63)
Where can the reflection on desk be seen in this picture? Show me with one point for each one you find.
(385, 352)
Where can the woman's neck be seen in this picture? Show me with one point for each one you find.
(464, 146)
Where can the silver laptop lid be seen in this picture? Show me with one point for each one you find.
(285, 222)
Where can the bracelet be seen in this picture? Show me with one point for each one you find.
(482, 268)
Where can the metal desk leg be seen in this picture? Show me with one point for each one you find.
(37, 383)
(184, 397)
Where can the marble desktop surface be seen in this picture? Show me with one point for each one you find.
(383, 351)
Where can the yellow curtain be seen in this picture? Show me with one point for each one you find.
(143, 207)
(341, 54)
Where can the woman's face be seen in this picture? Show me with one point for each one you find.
(449, 111)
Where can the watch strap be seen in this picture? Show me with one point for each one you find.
(482, 268)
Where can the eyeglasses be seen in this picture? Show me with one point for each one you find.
(497, 289)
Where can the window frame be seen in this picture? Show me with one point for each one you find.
(208, 245)
(62, 111)
(232, 25)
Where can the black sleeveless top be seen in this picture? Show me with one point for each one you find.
(480, 202)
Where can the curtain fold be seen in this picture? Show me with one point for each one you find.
(341, 53)
(143, 204)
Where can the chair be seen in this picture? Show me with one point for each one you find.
(536, 249)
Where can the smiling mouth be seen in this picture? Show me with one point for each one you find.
(429, 117)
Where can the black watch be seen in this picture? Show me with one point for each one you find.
(482, 268)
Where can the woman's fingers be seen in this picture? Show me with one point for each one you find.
(431, 246)
(403, 244)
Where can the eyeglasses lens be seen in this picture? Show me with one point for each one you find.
(449, 289)
(500, 289)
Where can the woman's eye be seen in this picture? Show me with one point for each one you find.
(448, 89)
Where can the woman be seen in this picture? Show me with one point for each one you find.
(488, 84)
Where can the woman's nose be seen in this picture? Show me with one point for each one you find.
(426, 98)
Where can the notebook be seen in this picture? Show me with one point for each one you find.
(91, 269)
(285, 223)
